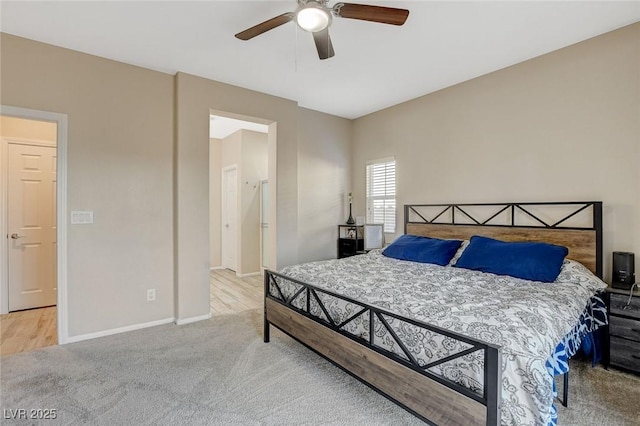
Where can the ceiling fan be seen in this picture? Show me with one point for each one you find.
(315, 16)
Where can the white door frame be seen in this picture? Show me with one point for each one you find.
(61, 214)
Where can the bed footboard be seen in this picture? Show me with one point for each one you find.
(400, 377)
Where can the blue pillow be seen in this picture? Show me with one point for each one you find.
(528, 260)
(422, 249)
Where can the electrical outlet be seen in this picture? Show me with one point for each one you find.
(151, 294)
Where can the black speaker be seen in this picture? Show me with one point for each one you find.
(623, 275)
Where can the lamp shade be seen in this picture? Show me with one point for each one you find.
(313, 17)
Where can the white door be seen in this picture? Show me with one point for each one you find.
(31, 226)
(230, 218)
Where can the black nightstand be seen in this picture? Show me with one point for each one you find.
(622, 342)
(350, 240)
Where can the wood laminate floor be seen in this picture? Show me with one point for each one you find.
(31, 329)
(230, 294)
(24, 331)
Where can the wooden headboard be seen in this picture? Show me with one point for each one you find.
(577, 224)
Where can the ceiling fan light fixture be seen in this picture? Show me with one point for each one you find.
(313, 17)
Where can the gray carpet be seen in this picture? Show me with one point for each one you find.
(600, 397)
(220, 372)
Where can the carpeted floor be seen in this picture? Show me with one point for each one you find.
(220, 372)
(600, 397)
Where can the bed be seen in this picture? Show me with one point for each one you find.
(451, 345)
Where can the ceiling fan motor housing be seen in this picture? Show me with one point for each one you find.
(303, 2)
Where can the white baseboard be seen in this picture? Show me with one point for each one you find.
(73, 339)
(215, 268)
(182, 321)
(250, 274)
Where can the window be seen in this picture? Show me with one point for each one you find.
(381, 193)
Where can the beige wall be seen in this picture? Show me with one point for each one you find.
(247, 150)
(215, 200)
(119, 165)
(138, 150)
(254, 168)
(231, 150)
(324, 164)
(636, 212)
(33, 130)
(196, 98)
(564, 126)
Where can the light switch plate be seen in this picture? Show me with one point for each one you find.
(81, 217)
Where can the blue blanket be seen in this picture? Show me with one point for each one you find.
(584, 337)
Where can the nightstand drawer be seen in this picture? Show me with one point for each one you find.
(619, 301)
(625, 354)
(624, 327)
(347, 244)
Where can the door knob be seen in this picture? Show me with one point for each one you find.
(16, 236)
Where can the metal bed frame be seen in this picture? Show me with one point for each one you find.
(401, 378)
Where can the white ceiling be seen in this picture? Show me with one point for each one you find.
(376, 65)
(221, 127)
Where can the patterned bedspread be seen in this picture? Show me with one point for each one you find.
(533, 322)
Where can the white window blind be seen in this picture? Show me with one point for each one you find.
(381, 193)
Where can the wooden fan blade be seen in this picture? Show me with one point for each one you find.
(383, 15)
(265, 26)
(323, 44)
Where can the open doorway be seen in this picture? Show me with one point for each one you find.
(29, 208)
(238, 172)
